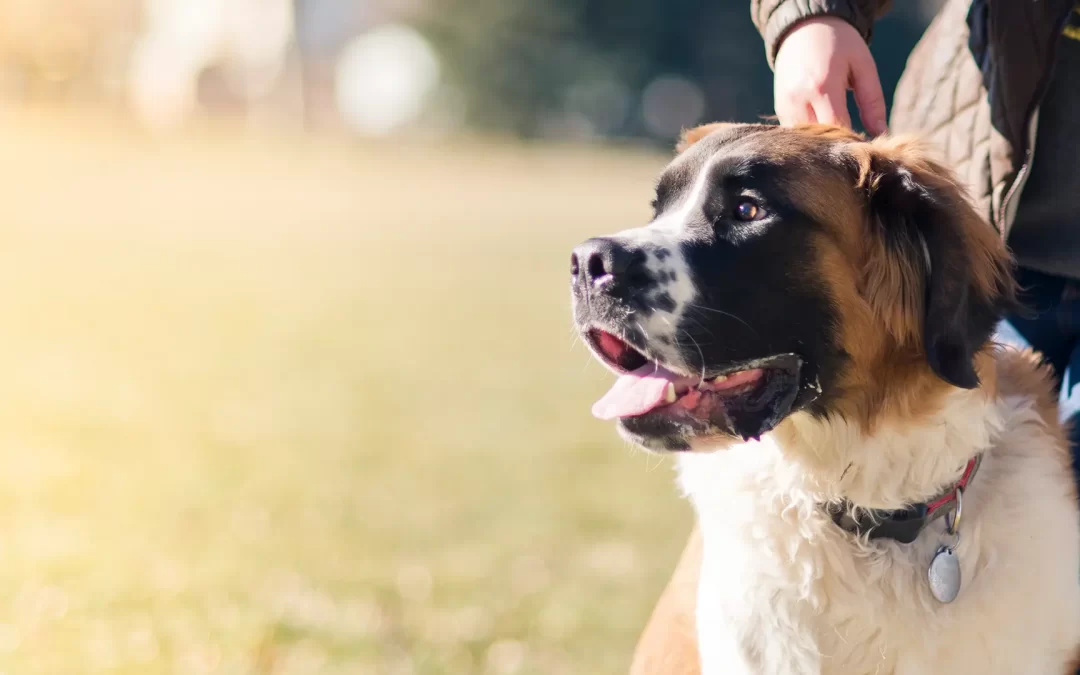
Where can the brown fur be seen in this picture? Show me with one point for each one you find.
(692, 136)
(668, 646)
(887, 378)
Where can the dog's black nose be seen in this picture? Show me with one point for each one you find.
(600, 261)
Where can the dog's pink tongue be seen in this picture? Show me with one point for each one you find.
(635, 393)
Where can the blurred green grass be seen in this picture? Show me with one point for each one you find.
(272, 405)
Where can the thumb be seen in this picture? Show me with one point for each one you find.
(868, 94)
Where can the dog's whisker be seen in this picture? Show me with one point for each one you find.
(659, 463)
(704, 329)
(702, 308)
(701, 355)
(696, 342)
(585, 364)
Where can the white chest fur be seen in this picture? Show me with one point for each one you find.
(784, 591)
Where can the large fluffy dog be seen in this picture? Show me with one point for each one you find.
(879, 488)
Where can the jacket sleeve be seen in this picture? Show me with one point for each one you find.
(774, 18)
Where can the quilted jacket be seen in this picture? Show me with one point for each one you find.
(972, 85)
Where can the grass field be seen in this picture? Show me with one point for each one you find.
(282, 406)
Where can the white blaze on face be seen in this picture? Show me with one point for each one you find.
(671, 273)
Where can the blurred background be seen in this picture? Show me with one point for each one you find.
(288, 382)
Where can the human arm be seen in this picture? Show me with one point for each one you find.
(818, 50)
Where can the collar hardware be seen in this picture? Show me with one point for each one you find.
(905, 525)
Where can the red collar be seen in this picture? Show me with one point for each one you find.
(950, 496)
(903, 525)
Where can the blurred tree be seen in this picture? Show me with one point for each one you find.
(532, 68)
(622, 68)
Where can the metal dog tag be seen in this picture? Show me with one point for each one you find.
(944, 574)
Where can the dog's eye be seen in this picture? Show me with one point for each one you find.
(747, 211)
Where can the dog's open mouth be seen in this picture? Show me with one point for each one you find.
(744, 399)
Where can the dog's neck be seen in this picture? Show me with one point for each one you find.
(902, 462)
(831, 459)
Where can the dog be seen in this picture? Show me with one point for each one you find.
(879, 488)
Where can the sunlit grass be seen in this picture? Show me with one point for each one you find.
(273, 406)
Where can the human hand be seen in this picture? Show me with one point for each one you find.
(818, 62)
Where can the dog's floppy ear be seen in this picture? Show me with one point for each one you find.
(932, 250)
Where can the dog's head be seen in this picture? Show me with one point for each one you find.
(787, 271)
